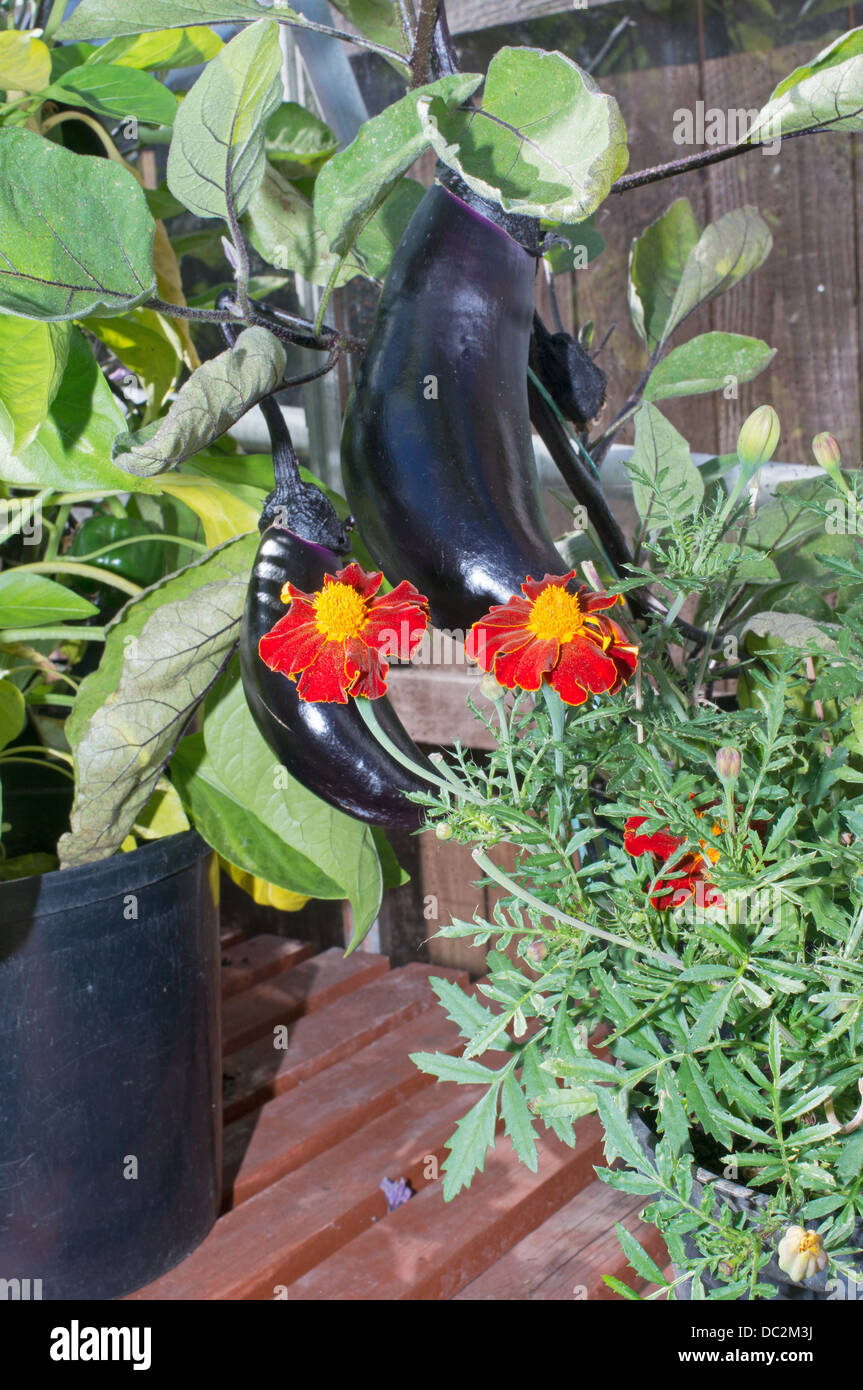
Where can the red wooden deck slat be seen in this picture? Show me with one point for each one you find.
(565, 1258)
(298, 1221)
(313, 984)
(230, 936)
(251, 962)
(430, 1249)
(294, 1128)
(260, 1072)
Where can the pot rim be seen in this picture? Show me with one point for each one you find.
(63, 890)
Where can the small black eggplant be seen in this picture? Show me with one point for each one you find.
(327, 747)
(437, 457)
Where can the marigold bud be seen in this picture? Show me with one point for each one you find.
(537, 950)
(443, 830)
(828, 454)
(728, 764)
(758, 437)
(489, 689)
(801, 1253)
(825, 447)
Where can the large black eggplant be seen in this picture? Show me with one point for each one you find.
(327, 747)
(437, 455)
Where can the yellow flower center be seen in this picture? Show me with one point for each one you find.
(556, 614)
(341, 612)
(810, 1241)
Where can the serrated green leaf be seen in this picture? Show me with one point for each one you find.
(774, 1049)
(618, 1286)
(518, 1122)
(710, 1017)
(638, 1257)
(620, 1140)
(473, 1137)
(638, 1184)
(463, 1070)
(674, 1120)
(464, 1010)
(850, 1161)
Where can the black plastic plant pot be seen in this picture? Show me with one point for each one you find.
(110, 1071)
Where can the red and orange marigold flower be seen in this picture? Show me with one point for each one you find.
(336, 641)
(689, 877)
(556, 635)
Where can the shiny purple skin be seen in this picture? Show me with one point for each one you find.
(326, 747)
(444, 489)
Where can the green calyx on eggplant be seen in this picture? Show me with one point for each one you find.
(437, 454)
(569, 374)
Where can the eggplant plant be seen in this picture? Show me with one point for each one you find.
(161, 204)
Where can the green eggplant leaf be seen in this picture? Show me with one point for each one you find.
(826, 92)
(72, 447)
(218, 149)
(116, 92)
(545, 142)
(726, 251)
(76, 235)
(163, 653)
(709, 362)
(216, 395)
(656, 262)
(341, 848)
(32, 600)
(33, 358)
(164, 48)
(13, 712)
(104, 19)
(378, 20)
(663, 455)
(355, 181)
(296, 136)
(233, 829)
